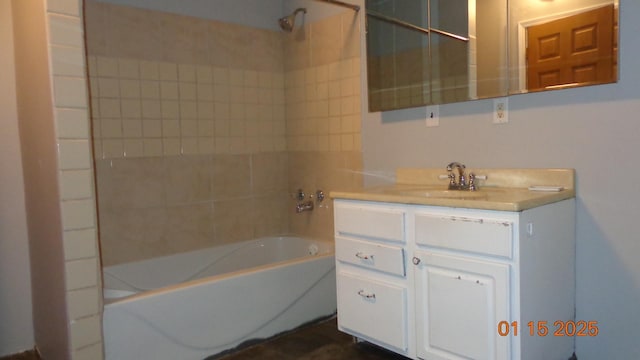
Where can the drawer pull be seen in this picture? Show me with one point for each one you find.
(366, 296)
(363, 256)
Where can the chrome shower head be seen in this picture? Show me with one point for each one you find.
(287, 22)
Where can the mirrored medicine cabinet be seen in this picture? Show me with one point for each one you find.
(424, 52)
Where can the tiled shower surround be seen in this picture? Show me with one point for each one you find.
(204, 129)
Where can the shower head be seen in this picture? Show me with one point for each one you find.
(287, 22)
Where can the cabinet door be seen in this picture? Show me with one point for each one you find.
(459, 302)
(373, 310)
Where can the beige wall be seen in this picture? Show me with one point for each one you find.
(16, 329)
(60, 202)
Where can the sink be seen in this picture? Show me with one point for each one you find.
(444, 194)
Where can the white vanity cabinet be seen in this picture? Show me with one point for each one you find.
(373, 298)
(462, 272)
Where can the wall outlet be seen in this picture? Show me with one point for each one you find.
(433, 116)
(501, 110)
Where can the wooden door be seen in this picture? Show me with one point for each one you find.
(572, 51)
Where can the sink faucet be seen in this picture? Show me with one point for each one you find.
(462, 181)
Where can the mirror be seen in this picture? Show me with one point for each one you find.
(435, 51)
(424, 52)
(555, 44)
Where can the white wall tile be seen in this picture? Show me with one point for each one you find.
(110, 108)
(83, 303)
(86, 331)
(149, 70)
(131, 109)
(133, 147)
(70, 92)
(74, 154)
(68, 7)
(152, 147)
(67, 61)
(76, 184)
(204, 74)
(168, 71)
(128, 69)
(65, 30)
(130, 89)
(80, 244)
(81, 274)
(132, 128)
(109, 87)
(72, 123)
(171, 146)
(92, 352)
(107, 67)
(112, 148)
(187, 73)
(78, 214)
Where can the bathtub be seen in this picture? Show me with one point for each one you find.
(197, 304)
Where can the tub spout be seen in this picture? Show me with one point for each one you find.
(304, 206)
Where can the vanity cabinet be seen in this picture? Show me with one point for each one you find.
(435, 282)
(373, 290)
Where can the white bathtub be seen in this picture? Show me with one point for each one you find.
(197, 304)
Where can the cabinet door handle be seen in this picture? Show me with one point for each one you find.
(416, 261)
(363, 256)
(365, 295)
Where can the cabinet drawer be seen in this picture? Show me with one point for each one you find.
(370, 222)
(389, 259)
(478, 235)
(373, 310)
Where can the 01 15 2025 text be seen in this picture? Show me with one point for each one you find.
(544, 328)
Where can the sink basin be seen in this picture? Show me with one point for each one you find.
(444, 194)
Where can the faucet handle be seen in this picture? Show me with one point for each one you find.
(472, 182)
(452, 180)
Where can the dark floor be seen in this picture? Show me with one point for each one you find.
(321, 341)
(27, 355)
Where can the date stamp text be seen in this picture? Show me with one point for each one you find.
(544, 328)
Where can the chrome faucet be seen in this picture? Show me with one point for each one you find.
(308, 205)
(461, 184)
(304, 206)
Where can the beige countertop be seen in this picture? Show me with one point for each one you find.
(503, 189)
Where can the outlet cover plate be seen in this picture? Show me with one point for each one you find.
(501, 110)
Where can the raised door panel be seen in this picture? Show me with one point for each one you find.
(459, 302)
(373, 310)
(574, 50)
